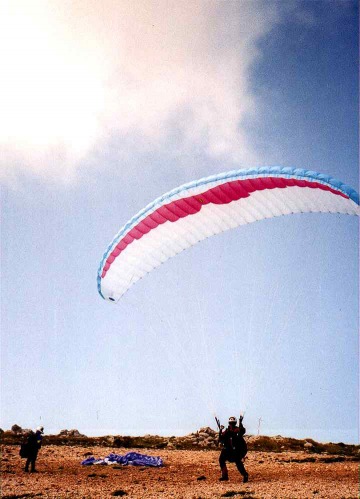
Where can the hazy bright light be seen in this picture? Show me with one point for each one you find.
(75, 74)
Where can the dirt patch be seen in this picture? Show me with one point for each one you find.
(186, 474)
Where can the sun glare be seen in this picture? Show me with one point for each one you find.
(51, 89)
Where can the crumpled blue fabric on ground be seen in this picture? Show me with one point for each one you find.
(130, 459)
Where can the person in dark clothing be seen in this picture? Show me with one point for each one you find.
(33, 446)
(234, 448)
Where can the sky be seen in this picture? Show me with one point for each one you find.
(105, 108)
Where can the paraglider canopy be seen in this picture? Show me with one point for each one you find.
(197, 210)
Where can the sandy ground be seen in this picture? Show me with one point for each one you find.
(186, 475)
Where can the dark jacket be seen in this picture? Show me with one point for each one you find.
(34, 443)
(233, 440)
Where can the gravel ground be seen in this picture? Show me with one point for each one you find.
(186, 475)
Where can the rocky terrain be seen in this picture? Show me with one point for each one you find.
(278, 467)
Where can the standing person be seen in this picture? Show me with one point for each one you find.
(234, 448)
(33, 446)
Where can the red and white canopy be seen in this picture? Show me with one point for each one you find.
(197, 210)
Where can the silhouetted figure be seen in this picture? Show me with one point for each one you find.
(33, 445)
(235, 448)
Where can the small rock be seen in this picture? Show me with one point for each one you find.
(119, 493)
(16, 428)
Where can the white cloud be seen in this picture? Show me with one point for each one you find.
(78, 73)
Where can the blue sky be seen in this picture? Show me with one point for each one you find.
(263, 319)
